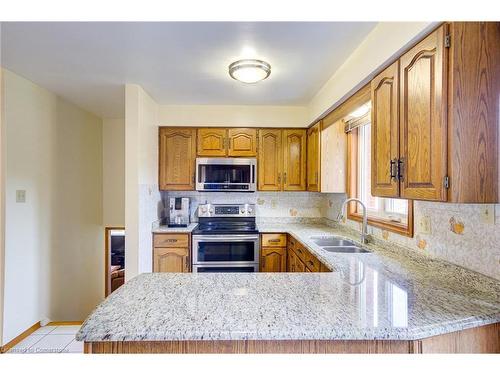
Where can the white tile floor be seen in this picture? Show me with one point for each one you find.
(50, 339)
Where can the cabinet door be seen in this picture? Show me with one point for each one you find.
(333, 175)
(290, 261)
(242, 142)
(294, 159)
(270, 160)
(177, 158)
(171, 259)
(313, 158)
(423, 128)
(299, 265)
(385, 133)
(212, 142)
(273, 259)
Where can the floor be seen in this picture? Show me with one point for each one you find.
(50, 339)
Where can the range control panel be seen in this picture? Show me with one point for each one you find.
(226, 210)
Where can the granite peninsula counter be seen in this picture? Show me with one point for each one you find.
(390, 300)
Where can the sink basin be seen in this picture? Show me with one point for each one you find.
(345, 249)
(333, 242)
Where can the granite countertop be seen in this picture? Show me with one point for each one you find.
(390, 293)
(166, 229)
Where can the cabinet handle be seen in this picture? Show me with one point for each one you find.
(284, 178)
(229, 143)
(401, 164)
(393, 169)
(279, 178)
(263, 262)
(186, 267)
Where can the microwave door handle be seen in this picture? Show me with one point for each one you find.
(253, 174)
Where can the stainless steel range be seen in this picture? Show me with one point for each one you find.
(226, 239)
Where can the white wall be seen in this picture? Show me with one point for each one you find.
(232, 115)
(143, 202)
(382, 44)
(53, 241)
(113, 179)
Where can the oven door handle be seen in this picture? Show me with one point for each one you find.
(218, 238)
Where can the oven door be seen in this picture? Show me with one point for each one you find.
(236, 249)
(225, 174)
(251, 267)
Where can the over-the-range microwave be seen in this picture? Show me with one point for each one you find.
(226, 174)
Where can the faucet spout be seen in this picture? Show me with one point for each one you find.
(364, 229)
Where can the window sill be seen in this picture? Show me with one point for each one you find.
(386, 224)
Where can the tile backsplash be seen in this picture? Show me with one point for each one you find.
(458, 232)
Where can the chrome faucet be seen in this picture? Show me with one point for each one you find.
(364, 230)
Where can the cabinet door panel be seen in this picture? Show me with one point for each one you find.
(171, 260)
(242, 142)
(423, 128)
(313, 158)
(333, 175)
(212, 142)
(385, 132)
(177, 158)
(270, 160)
(294, 159)
(273, 259)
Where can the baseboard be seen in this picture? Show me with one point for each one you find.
(66, 323)
(19, 338)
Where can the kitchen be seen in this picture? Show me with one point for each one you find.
(215, 183)
(362, 218)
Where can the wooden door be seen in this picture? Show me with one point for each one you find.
(314, 158)
(170, 259)
(423, 110)
(270, 160)
(242, 142)
(212, 142)
(299, 265)
(177, 158)
(294, 159)
(273, 259)
(290, 261)
(385, 133)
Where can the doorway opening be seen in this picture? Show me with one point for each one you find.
(114, 259)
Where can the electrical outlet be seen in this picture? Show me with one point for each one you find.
(487, 214)
(424, 225)
(20, 196)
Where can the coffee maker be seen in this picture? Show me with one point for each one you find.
(179, 212)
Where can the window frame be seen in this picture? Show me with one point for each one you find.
(352, 192)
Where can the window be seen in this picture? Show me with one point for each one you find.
(387, 213)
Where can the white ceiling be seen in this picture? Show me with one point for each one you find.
(178, 63)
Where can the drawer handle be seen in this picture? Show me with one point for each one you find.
(275, 240)
(310, 262)
(170, 240)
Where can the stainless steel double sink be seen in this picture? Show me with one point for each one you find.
(337, 245)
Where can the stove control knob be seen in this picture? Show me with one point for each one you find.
(249, 210)
(211, 211)
(203, 210)
(242, 210)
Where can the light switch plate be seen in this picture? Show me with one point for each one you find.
(487, 214)
(20, 196)
(424, 225)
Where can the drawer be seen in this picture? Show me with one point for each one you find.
(274, 240)
(312, 262)
(301, 251)
(171, 240)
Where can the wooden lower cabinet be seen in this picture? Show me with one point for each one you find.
(171, 253)
(273, 259)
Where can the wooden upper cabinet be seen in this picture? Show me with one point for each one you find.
(177, 158)
(294, 159)
(385, 133)
(171, 260)
(423, 110)
(314, 158)
(242, 142)
(212, 142)
(270, 160)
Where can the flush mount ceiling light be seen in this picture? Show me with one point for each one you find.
(249, 70)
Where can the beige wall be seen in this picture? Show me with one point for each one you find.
(232, 115)
(142, 197)
(53, 241)
(113, 180)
